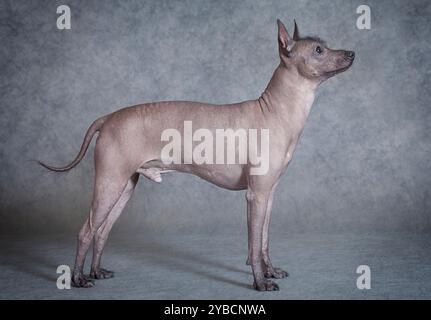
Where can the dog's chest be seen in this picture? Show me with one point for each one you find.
(290, 150)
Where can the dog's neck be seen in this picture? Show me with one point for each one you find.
(289, 95)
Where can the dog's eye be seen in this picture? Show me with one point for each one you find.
(319, 49)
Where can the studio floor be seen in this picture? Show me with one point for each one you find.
(197, 266)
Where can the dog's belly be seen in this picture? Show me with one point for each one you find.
(230, 177)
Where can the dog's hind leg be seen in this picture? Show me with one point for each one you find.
(102, 233)
(109, 184)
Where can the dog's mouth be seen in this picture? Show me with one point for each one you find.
(339, 70)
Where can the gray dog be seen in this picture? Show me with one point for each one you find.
(130, 144)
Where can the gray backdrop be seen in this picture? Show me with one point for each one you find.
(363, 163)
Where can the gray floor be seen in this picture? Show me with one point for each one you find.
(192, 266)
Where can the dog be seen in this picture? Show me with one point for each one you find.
(129, 144)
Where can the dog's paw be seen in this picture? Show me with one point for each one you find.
(101, 274)
(266, 285)
(276, 273)
(81, 281)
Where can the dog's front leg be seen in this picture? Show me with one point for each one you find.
(270, 270)
(257, 201)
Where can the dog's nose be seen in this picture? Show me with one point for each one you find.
(350, 55)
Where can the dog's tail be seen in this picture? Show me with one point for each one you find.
(96, 126)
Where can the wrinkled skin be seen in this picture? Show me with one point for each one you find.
(129, 145)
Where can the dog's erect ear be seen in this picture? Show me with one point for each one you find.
(284, 40)
(295, 32)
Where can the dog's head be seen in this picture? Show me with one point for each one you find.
(310, 56)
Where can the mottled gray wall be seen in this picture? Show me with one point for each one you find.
(364, 159)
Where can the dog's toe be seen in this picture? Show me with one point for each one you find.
(81, 281)
(266, 285)
(276, 273)
(101, 274)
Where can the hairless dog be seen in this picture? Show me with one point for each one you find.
(129, 144)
